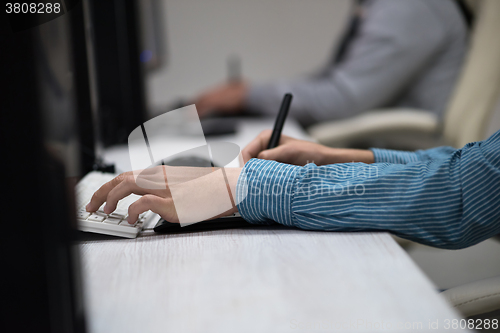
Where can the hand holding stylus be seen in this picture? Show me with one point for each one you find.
(301, 152)
(281, 148)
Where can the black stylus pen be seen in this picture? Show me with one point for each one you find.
(280, 121)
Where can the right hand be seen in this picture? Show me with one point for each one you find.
(158, 194)
(300, 152)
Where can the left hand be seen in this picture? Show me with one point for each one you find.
(300, 152)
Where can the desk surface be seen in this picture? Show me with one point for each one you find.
(257, 280)
(265, 279)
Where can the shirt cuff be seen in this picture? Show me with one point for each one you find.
(394, 156)
(265, 191)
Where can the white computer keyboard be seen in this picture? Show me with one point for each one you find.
(113, 224)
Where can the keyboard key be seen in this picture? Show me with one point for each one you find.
(100, 221)
(121, 211)
(112, 220)
(125, 223)
(96, 217)
(82, 215)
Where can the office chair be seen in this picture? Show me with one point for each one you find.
(468, 112)
(480, 299)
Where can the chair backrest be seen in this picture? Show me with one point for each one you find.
(478, 88)
(473, 5)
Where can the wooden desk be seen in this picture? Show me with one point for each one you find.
(265, 279)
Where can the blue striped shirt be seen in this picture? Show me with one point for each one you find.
(443, 197)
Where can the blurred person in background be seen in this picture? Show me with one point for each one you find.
(395, 53)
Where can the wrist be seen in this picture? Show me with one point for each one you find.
(337, 155)
(265, 191)
(328, 156)
(232, 176)
(363, 155)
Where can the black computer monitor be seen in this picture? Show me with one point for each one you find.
(45, 98)
(119, 83)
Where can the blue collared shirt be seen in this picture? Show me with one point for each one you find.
(443, 197)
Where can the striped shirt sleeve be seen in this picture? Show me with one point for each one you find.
(403, 157)
(443, 197)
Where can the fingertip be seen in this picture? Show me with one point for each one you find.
(266, 132)
(107, 209)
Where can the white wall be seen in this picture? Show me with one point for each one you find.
(494, 122)
(274, 39)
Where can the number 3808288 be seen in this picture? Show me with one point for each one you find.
(33, 8)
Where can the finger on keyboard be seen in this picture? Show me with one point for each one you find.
(96, 217)
(118, 193)
(99, 197)
(125, 223)
(100, 222)
(146, 203)
(82, 215)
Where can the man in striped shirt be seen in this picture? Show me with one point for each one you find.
(443, 197)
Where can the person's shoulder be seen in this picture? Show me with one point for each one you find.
(414, 7)
(442, 9)
(448, 14)
(401, 15)
(423, 15)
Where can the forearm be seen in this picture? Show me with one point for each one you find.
(340, 155)
(314, 100)
(448, 203)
